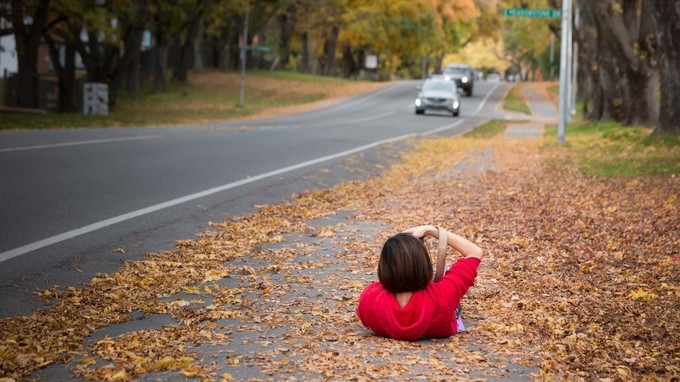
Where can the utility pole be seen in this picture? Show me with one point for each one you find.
(244, 47)
(552, 55)
(574, 65)
(565, 63)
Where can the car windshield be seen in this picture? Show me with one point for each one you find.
(432, 85)
(456, 70)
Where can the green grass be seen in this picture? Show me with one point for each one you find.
(515, 102)
(488, 129)
(209, 96)
(609, 150)
(296, 76)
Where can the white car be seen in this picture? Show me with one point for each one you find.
(493, 77)
(437, 94)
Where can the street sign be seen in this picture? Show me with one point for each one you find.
(95, 98)
(535, 13)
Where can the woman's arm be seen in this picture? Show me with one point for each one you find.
(457, 242)
(464, 246)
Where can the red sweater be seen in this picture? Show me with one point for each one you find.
(430, 312)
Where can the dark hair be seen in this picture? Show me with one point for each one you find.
(404, 264)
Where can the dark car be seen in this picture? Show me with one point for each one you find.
(463, 75)
(438, 94)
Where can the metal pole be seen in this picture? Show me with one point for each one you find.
(569, 66)
(552, 54)
(244, 46)
(574, 65)
(564, 71)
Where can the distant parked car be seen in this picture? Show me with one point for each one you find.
(493, 77)
(463, 75)
(438, 94)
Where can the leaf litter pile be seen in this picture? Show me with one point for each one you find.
(579, 282)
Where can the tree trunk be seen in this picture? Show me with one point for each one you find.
(27, 41)
(186, 50)
(287, 20)
(612, 81)
(314, 60)
(305, 53)
(126, 73)
(65, 75)
(589, 90)
(132, 75)
(629, 34)
(160, 66)
(68, 98)
(348, 64)
(439, 62)
(197, 46)
(329, 47)
(667, 14)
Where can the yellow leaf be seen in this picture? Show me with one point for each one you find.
(163, 364)
(88, 360)
(212, 275)
(641, 294)
(226, 377)
(622, 371)
(181, 303)
(43, 364)
(120, 375)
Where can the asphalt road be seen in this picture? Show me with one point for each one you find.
(80, 201)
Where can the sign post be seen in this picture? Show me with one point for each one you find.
(244, 46)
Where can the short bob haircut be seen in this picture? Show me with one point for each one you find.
(404, 264)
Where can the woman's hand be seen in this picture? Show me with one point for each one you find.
(420, 231)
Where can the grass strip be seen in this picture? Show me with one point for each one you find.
(514, 101)
(609, 150)
(488, 129)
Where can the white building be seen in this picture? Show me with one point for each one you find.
(8, 52)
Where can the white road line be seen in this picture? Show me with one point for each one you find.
(350, 121)
(76, 143)
(157, 207)
(481, 105)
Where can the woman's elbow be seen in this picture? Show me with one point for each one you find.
(476, 252)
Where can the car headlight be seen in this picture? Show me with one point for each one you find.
(455, 104)
(464, 80)
(417, 101)
(448, 78)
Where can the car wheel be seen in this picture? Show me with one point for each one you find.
(468, 92)
(420, 111)
(456, 113)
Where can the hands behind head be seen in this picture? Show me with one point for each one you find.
(421, 231)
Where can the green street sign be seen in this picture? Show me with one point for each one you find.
(535, 13)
